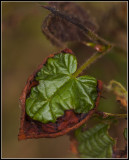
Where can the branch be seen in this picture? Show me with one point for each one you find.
(105, 115)
(98, 43)
(87, 32)
(91, 60)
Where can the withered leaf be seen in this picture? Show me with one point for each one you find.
(59, 30)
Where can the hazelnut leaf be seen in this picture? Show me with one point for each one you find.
(95, 142)
(60, 90)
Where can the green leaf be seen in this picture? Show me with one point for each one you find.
(125, 133)
(95, 142)
(59, 90)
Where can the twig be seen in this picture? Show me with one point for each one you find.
(91, 35)
(98, 43)
(91, 60)
(105, 115)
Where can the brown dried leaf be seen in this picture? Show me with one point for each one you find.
(58, 30)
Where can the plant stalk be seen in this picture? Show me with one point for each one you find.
(92, 59)
(106, 114)
(87, 32)
(98, 43)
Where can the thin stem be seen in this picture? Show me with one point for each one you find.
(92, 59)
(86, 64)
(105, 114)
(87, 32)
(101, 45)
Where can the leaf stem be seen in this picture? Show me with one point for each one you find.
(87, 32)
(98, 43)
(92, 59)
(106, 114)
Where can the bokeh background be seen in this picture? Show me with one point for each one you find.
(24, 47)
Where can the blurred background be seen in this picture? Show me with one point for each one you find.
(24, 46)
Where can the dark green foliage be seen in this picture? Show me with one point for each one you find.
(95, 142)
(60, 90)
